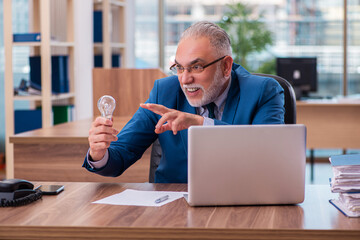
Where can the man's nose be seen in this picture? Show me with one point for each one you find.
(186, 77)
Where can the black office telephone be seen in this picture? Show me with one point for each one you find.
(17, 192)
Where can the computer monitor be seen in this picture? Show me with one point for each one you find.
(300, 72)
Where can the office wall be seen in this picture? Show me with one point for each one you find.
(83, 58)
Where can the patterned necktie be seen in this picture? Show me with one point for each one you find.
(210, 107)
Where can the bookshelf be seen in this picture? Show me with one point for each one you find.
(50, 44)
(113, 31)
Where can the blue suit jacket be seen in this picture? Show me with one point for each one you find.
(251, 100)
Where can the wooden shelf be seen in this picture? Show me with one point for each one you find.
(117, 3)
(98, 45)
(61, 44)
(40, 23)
(26, 44)
(38, 44)
(39, 97)
(113, 34)
(112, 45)
(118, 45)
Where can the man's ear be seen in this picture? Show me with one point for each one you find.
(227, 65)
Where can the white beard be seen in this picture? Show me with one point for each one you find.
(211, 93)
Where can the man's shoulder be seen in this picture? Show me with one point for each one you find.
(170, 81)
(246, 79)
(256, 79)
(167, 91)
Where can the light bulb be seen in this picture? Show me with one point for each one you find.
(106, 105)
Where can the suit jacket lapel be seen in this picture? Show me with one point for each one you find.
(232, 100)
(231, 106)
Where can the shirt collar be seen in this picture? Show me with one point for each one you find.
(219, 101)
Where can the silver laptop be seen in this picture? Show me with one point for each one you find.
(246, 164)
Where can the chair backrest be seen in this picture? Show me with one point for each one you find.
(289, 118)
(289, 95)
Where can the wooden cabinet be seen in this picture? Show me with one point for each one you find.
(113, 31)
(50, 44)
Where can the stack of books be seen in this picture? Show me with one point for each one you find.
(59, 73)
(346, 182)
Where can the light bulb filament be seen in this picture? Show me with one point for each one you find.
(106, 105)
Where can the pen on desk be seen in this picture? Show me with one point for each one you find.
(160, 200)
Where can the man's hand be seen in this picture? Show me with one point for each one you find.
(101, 134)
(171, 119)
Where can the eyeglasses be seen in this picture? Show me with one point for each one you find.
(197, 68)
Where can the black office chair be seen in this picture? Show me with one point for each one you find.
(155, 158)
(289, 95)
(289, 118)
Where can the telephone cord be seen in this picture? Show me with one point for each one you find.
(22, 201)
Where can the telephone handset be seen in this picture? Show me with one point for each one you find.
(17, 192)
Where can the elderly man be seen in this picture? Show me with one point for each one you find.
(208, 89)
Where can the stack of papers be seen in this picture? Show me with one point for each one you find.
(346, 182)
(351, 200)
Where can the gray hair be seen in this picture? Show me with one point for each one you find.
(217, 36)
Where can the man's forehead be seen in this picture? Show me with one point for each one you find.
(193, 47)
(189, 62)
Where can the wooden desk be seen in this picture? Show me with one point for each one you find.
(57, 154)
(71, 215)
(331, 124)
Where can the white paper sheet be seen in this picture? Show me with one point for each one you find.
(140, 198)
